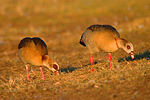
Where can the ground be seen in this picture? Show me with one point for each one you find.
(60, 24)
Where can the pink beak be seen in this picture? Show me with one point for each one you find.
(56, 72)
(131, 54)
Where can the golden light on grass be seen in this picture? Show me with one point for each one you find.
(60, 24)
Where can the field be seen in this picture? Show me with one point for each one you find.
(60, 23)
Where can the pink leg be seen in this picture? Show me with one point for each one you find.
(91, 60)
(109, 58)
(42, 73)
(27, 69)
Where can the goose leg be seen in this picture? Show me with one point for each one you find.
(109, 58)
(91, 60)
(42, 73)
(27, 69)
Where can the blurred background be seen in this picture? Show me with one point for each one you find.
(61, 22)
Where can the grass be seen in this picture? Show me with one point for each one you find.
(60, 24)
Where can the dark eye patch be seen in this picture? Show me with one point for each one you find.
(55, 67)
(128, 47)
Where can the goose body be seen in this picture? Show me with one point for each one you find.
(34, 51)
(106, 38)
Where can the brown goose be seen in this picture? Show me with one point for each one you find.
(106, 38)
(34, 51)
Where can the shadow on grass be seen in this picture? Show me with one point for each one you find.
(68, 69)
(71, 69)
(139, 56)
(94, 63)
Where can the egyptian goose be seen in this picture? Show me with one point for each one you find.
(106, 38)
(34, 51)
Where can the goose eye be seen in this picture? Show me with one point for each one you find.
(128, 47)
(55, 67)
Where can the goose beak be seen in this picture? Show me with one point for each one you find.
(56, 72)
(131, 54)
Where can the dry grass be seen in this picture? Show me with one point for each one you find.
(60, 23)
